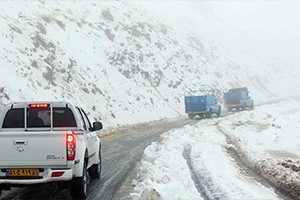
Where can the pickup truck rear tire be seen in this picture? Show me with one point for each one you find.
(209, 114)
(95, 169)
(219, 112)
(191, 116)
(244, 106)
(78, 186)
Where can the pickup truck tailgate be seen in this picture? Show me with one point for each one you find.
(33, 148)
(195, 103)
(233, 98)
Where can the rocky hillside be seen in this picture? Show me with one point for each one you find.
(116, 59)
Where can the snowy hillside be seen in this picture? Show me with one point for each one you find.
(123, 62)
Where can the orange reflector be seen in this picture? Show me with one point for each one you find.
(57, 174)
(42, 105)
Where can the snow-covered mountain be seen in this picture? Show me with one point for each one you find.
(125, 62)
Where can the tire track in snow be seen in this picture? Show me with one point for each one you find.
(202, 187)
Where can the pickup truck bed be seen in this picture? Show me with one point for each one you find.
(201, 106)
(238, 98)
(195, 104)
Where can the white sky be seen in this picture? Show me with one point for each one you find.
(265, 28)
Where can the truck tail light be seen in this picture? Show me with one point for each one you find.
(71, 146)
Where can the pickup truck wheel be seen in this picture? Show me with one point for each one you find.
(244, 106)
(252, 106)
(191, 116)
(209, 114)
(79, 185)
(219, 112)
(95, 169)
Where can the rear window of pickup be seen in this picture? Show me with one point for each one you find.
(39, 118)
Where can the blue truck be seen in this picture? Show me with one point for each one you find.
(238, 98)
(202, 106)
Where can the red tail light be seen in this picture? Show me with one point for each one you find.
(40, 105)
(71, 147)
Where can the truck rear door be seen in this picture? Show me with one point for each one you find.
(195, 103)
(232, 97)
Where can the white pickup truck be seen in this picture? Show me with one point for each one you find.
(42, 142)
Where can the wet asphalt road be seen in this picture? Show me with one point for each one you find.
(121, 152)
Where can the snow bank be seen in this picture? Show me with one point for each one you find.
(165, 169)
(193, 163)
(267, 139)
(269, 128)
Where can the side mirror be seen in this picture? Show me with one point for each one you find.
(97, 126)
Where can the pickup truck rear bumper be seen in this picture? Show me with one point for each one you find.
(234, 105)
(196, 112)
(44, 177)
